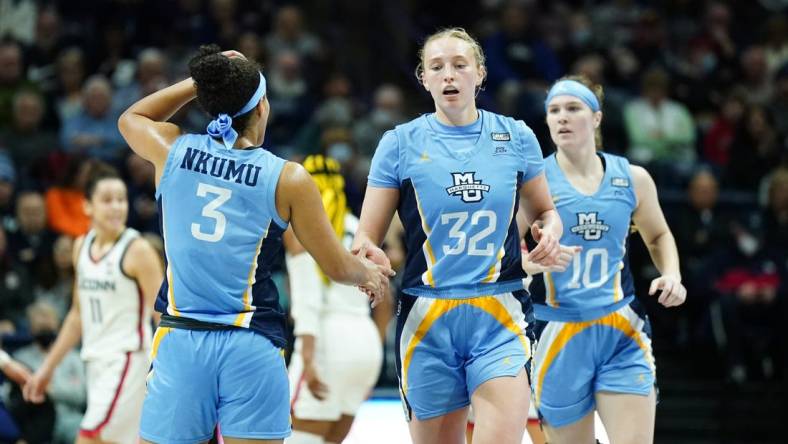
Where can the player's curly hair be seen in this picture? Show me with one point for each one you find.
(224, 85)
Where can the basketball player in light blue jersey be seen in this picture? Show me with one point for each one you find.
(594, 351)
(224, 203)
(457, 177)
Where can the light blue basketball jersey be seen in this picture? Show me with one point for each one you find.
(458, 197)
(598, 280)
(221, 232)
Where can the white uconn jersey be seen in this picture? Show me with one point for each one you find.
(114, 316)
(345, 298)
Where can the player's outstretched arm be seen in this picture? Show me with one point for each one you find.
(298, 200)
(376, 214)
(650, 222)
(67, 338)
(13, 370)
(540, 213)
(565, 255)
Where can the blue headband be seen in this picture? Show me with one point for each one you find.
(222, 125)
(575, 89)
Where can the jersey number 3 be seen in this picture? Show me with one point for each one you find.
(211, 211)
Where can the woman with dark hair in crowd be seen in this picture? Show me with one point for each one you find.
(217, 355)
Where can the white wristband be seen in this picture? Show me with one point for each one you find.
(4, 358)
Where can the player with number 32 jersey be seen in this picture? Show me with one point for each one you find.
(459, 194)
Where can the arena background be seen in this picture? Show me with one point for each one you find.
(696, 91)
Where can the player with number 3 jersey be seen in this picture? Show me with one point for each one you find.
(224, 202)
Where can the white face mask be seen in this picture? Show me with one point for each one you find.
(748, 244)
(383, 118)
(340, 151)
(337, 111)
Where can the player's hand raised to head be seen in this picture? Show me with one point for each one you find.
(233, 54)
(672, 292)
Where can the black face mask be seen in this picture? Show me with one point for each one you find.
(45, 338)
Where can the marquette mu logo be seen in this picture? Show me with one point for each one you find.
(589, 227)
(467, 187)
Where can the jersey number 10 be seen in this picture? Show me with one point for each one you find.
(587, 265)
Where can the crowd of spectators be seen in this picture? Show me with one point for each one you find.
(696, 91)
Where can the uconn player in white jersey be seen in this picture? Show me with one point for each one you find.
(118, 275)
(594, 350)
(338, 353)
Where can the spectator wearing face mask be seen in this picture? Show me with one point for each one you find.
(290, 98)
(67, 388)
(387, 112)
(337, 143)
